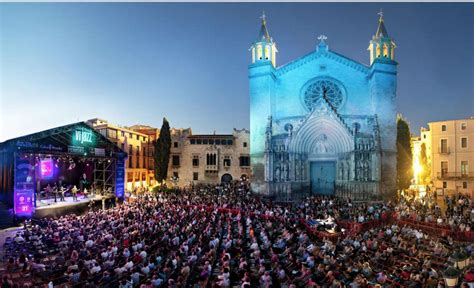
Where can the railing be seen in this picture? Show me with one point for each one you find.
(458, 175)
(443, 150)
(212, 168)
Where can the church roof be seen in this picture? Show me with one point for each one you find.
(264, 35)
(316, 54)
(381, 30)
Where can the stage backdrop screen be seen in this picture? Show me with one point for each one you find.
(46, 169)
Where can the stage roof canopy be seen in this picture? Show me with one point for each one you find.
(78, 139)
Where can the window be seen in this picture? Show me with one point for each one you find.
(122, 145)
(175, 144)
(245, 144)
(211, 141)
(175, 175)
(227, 161)
(385, 50)
(195, 176)
(244, 161)
(424, 136)
(192, 141)
(259, 52)
(464, 168)
(138, 137)
(445, 184)
(267, 52)
(464, 185)
(130, 135)
(137, 164)
(205, 141)
(443, 128)
(144, 151)
(230, 142)
(463, 142)
(198, 141)
(211, 159)
(195, 161)
(444, 146)
(463, 126)
(444, 168)
(218, 142)
(130, 156)
(315, 92)
(175, 160)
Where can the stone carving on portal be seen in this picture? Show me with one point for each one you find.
(321, 145)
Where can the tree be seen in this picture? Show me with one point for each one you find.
(162, 152)
(425, 168)
(404, 154)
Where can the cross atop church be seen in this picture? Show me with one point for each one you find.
(380, 13)
(263, 17)
(322, 38)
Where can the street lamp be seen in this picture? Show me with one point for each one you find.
(451, 276)
(175, 180)
(461, 259)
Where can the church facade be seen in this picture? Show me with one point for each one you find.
(323, 123)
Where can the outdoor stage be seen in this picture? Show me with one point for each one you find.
(48, 208)
(69, 158)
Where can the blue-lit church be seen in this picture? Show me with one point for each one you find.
(323, 123)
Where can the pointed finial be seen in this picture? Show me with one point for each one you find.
(263, 17)
(380, 14)
(322, 38)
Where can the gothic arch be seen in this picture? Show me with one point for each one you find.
(336, 136)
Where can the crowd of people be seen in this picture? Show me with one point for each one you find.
(223, 236)
(457, 215)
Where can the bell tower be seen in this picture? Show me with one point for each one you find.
(382, 45)
(261, 88)
(264, 48)
(383, 90)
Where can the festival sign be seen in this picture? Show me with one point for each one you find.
(24, 202)
(83, 137)
(24, 190)
(120, 177)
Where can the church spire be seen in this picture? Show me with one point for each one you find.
(381, 46)
(263, 35)
(381, 30)
(264, 49)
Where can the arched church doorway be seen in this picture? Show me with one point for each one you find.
(226, 178)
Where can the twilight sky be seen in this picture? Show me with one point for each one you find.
(135, 63)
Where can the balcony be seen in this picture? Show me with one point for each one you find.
(455, 175)
(443, 150)
(212, 168)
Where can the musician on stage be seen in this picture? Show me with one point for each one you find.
(55, 192)
(74, 193)
(63, 190)
(47, 191)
